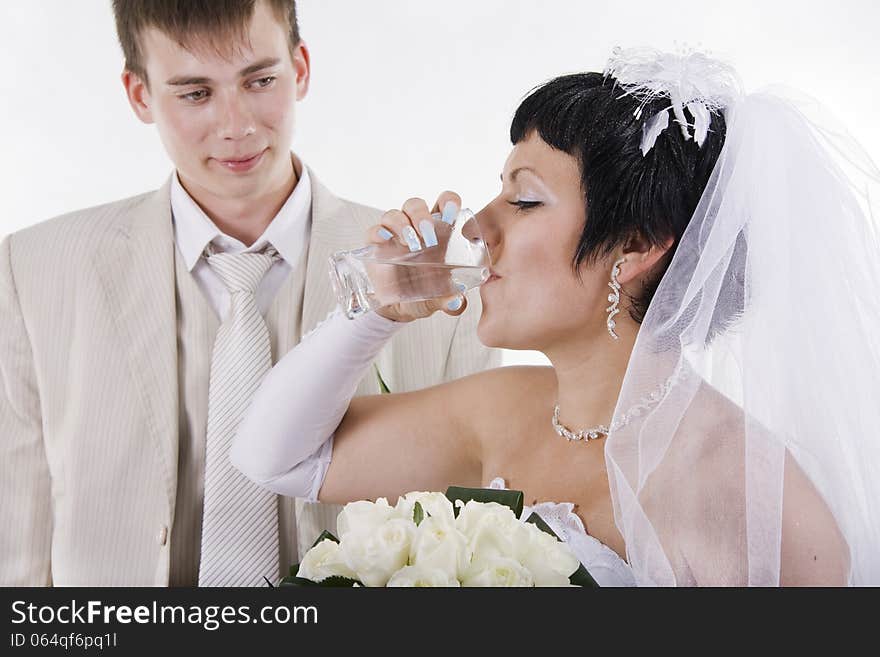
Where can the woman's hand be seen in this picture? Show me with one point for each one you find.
(412, 226)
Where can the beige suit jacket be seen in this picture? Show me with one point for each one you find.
(89, 386)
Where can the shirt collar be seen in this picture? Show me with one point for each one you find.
(287, 232)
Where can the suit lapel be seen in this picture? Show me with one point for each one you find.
(138, 279)
(333, 228)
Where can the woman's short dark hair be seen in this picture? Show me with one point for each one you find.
(626, 193)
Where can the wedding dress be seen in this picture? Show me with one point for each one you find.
(603, 563)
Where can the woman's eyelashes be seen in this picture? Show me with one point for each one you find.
(524, 205)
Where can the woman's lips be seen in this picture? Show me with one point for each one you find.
(239, 166)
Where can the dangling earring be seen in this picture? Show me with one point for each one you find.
(614, 298)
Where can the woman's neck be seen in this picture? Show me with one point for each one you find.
(589, 372)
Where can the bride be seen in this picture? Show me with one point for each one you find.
(700, 272)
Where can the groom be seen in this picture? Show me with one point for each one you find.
(131, 334)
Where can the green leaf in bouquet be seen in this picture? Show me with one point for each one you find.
(418, 514)
(335, 581)
(509, 498)
(293, 580)
(324, 535)
(580, 577)
(382, 386)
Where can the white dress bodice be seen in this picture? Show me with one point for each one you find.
(603, 563)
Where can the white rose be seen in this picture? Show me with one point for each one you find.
(363, 517)
(491, 531)
(550, 561)
(438, 544)
(377, 554)
(435, 505)
(497, 571)
(473, 514)
(422, 576)
(322, 561)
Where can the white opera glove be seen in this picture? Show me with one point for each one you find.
(285, 440)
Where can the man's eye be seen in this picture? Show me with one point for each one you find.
(265, 82)
(525, 205)
(194, 95)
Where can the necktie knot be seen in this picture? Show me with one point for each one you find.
(242, 272)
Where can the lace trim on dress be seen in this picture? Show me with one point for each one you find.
(604, 564)
(559, 515)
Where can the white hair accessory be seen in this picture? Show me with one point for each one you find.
(690, 79)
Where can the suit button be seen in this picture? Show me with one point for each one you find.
(162, 538)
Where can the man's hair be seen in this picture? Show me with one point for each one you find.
(217, 24)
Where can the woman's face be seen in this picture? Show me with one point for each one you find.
(534, 300)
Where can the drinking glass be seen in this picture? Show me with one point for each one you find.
(383, 274)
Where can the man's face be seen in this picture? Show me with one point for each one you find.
(212, 111)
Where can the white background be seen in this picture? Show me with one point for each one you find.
(407, 98)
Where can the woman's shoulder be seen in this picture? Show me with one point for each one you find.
(503, 395)
(713, 445)
(711, 431)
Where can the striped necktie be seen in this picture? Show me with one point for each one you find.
(240, 519)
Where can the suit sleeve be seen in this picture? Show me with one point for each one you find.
(25, 502)
(466, 354)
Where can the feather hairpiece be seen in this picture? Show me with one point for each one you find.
(691, 80)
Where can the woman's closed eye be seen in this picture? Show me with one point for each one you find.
(523, 205)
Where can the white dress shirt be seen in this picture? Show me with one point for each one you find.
(288, 233)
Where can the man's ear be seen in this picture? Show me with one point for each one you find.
(138, 96)
(641, 256)
(302, 66)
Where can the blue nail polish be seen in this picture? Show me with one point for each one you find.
(385, 234)
(412, 239)
(449, 212)
(461, 287)
(428, 233)
(436, 216)
(455, 304)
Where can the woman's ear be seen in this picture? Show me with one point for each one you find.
(640, 257)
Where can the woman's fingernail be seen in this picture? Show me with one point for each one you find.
(461, 287)
(412, 239)
(385, 234)
(455, 304)
(449, 212)
(428, 233)
(437, 216)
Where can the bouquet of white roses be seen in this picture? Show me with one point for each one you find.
(467, 537)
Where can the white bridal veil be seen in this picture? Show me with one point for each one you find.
(755, 455)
